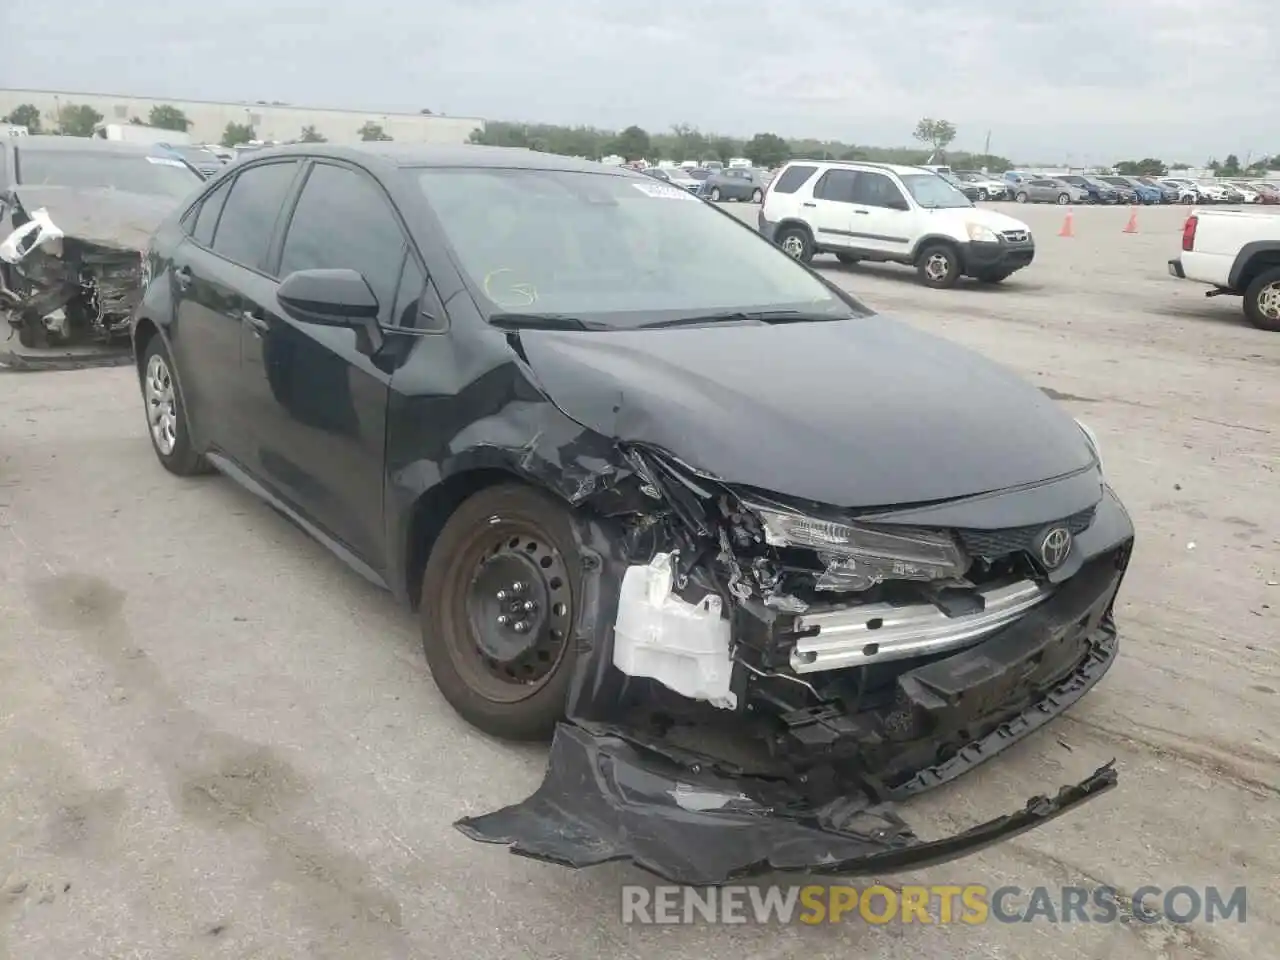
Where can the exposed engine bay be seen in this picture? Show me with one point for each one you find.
(61, 289)
(770, 659)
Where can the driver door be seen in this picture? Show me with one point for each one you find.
(883, 217)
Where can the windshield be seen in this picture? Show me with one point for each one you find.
(699, 174)
(611, 250)
(933, 192)
(136, 173)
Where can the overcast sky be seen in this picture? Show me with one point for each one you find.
(1079, 80)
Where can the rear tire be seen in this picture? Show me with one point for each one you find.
(509, 683)
(991, 276)
(715, 194)
(1262, 300)
(939, 266)
(166, 417)
(796, 243)
(1063, 199)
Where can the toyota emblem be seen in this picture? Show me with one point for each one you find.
(1054, 547)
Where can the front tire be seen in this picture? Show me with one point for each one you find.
(757, 196)
(991, 276)
(499, 608)
(1063, 199)
(1262, 300)
(715, 194)
(939, 266)
(166, 418)
(796, 243)
(1021, 197)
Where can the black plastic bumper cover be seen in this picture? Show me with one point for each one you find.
(606, 799)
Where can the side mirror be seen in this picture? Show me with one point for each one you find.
(336, 298)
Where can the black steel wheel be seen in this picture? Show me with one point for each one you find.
(498, 611)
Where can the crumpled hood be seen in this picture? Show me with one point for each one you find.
(859, 413)
(111, 218)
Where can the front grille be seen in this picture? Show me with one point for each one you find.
(1015, 236)
(1000, 543)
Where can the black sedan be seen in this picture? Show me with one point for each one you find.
(598, 433)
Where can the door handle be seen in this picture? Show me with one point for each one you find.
(865, 213)
(808, 204)
(255, 320)
(182, 277)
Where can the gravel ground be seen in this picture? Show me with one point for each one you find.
(216, 741)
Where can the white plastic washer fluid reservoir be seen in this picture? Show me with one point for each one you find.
(684, 646)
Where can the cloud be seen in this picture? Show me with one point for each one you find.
(1094, 79)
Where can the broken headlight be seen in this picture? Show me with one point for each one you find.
(874, 553)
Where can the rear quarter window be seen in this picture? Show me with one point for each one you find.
(793, 178)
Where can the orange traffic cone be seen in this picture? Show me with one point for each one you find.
(1067, 229)
(1132, 225)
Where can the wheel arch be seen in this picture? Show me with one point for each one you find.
(1252, 259)
(937, 239)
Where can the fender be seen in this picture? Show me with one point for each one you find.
(1239, 276)
(929, 238)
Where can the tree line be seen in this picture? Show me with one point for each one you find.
(680, 143)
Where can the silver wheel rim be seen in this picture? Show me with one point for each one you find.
(162, 410)
(1269, 301)
(1063, 198)
(715, 194)
(937, 267)
(793, 246)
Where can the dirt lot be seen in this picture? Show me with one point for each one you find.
(216, 741)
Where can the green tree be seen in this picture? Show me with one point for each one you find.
(767, 150)
(1231, 166)
(633, 143)
(25, 115)
(168, 117)
(237, 133)
(687, 143)
(1146, 167)
(311, 135)
(78, 120)
(372, 131)
(937, 133)
(1179, 166)
(136, 122)
(724, 149)
(988, 162)
(1214, 165)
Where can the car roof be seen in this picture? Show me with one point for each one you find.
(900, 169)
(82, 144)
(433, 155)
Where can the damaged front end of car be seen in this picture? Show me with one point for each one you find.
(758, 680)
(69, 277)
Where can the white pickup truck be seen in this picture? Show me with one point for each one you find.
(1235, 252)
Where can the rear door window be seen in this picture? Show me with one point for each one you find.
(250, 211)
(206, 220)
(837, 185)
(793, 178)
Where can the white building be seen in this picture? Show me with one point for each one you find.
(270, 121)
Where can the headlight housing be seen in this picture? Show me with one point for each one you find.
(877, 553)
(979, 233)
(1092, 439)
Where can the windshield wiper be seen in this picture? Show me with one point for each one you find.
(739, 316)
(540, 321)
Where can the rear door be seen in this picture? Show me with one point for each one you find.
(215, 268)
(317, 403)
(832, 214)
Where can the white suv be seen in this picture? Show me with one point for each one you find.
(885, 212)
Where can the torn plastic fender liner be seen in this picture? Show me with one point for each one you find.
(606, 799)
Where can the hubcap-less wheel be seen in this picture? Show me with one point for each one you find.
(1269, 301)
(162, 410)
(793, 245)
(519, 609)
(937, 267)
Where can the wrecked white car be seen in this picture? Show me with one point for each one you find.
(76, 215)
(763, 560)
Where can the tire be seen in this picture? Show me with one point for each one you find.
(1021, 196)
(848, 259)
(1064, 199)
(939, 266)
(796, 243)
(501, 544)
(165, 415)
(715, 194)
(983, 195)
(1262, 300)
(757, 196)
(991, 276)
